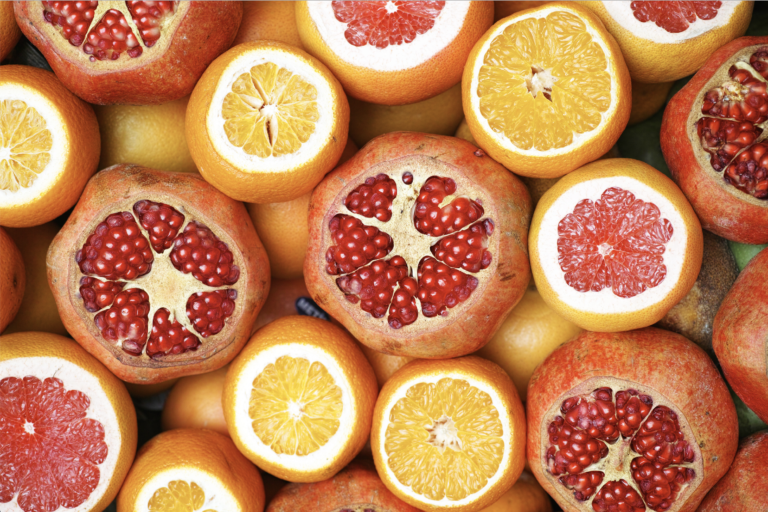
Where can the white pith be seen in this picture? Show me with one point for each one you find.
(616, 465)
(579, 139)
(308, 151)
(327, 453)
(60, 148)
(622, 13)
(100, 409)
(394, 57)
(400, 392)
(217, 495)
(605, 301)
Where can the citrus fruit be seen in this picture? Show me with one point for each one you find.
(529, 334)
(629, 421)
(712, 138)
(298, 399)
(439, 114)
(526, 495)
(158, 274)
(647, 99)
(546, 90)
(49, 146)
(664, 41)
(104, 58)
(9, 30)
(13, 279)
(38, 310)
(384, 365)
(266, 121)
(68, 426)
(502, 8)
(191, 470)
(393, 53)
(274, 21)
(355, 489)
(195, 402)
(148, 135)
(147, 390)
(614, 245)
(289, 297)
(449, 435)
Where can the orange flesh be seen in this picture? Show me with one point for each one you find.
(25, 143)
(179, 496)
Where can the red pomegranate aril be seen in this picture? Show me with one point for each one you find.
(759, 61)
(583, 485)
(618, 497)
(355, 245)
(373, 198)
(743, 98)
(148, 17)
(374, 284)
(98, 294)
(407, 178)
(749, 171)
(208, 311)
(73, 18)
(466, 249)
(169, 337)
(200, 253)
(403, 310)
(441, 287)
(723, 139)
(110, 37)
(127, 321)
(161, 221)
(434, 220)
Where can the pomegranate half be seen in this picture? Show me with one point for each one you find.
(714, 140)
(158, 274)
(631, 421)
(419, 245)
(137, 52)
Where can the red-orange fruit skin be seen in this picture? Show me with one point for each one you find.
(357, 484)
(740, 335)
(744, 488)
(203, 203)
(716, 202)
(207, 30)
(477, 324)
(667, 362)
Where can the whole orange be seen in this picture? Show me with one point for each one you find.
(195, 402)
(12, 279)
(274, 21)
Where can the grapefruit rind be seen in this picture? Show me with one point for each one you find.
(100, 409)
(217, 496)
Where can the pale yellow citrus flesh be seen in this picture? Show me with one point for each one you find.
(295, 406)
(179, 496)
(25, 143)
(544, 80)
(270, 111)
(444, 440)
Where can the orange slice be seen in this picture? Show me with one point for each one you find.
(546, 90)
(449, 435)
(265, 122)
(49, 146)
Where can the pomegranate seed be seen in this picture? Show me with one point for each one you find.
(373, 198)
(432, 220)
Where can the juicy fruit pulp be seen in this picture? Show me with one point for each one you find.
(732, 127)
(616, 242)
(270, 111)
(381, 24)
(444, 440)
(179, 496)
(123, 252)
(25, 142)
(50, 451)
(112, 34)
(436, 219)
(543, 81)
(295, 406)
(621, 430)
(674, 16)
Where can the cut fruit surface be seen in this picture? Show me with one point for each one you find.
(446, 436)
(543, 90)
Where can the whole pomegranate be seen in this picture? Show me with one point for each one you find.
(713, 140)
(744, 488)
(740, 335)
(630, 421)
(418, 245)
(138, 52)
(158, 274)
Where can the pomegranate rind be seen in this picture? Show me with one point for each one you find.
(744, 487)
(437, 74)
(589, 316)
(199, 32)
(666, 363)
(651, 61)
(722, 208)
(30, 345)
(116, 189)
(470, 325)
(740, 335)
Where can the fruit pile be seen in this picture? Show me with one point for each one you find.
(383, 256)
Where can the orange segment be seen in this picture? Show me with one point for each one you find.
(179, 496)
(24, 145)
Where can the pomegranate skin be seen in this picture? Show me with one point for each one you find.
(740, 335)
(666, 362)
(114, 189)
(206, 30)
(722, 208)
(444, 337)
(744, 488)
